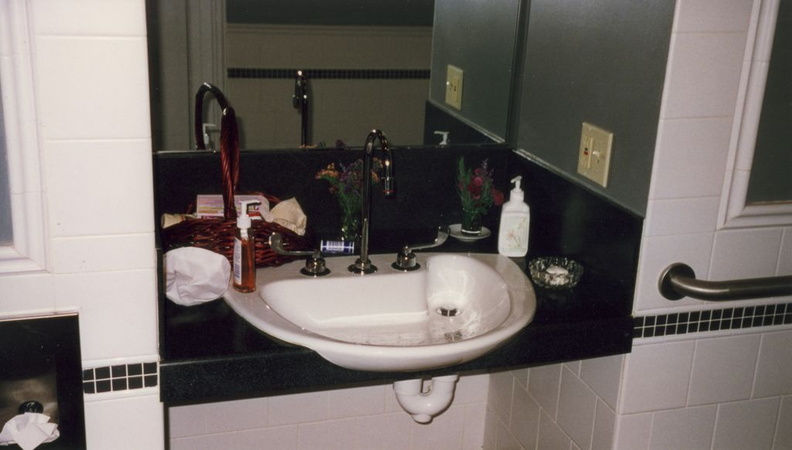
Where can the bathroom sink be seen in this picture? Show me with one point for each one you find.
(453, 309)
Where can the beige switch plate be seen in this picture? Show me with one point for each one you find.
(453, 95)
(595, 153)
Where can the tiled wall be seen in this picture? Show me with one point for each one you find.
(726, 386)
(360, 418)
(383, 91)
(90, 81)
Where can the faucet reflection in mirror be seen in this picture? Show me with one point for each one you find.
(300, 101)
(362, 265)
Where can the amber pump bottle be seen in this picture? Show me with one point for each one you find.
(244, 252)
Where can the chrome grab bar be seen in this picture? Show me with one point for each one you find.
(678, 280)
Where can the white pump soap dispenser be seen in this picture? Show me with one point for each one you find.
(514, 223)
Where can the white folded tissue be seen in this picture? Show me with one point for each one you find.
(195, 275)
(29, 430)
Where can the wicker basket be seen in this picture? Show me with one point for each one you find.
(215, 233)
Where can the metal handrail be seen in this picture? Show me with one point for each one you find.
(679, 280)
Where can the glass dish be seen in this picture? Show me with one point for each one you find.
(555, 273)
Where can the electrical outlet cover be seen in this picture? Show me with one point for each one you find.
(595, 153)
(453, 96)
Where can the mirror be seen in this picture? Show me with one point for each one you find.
(367, 64)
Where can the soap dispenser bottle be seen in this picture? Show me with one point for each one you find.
(244, 251)
(514, 223)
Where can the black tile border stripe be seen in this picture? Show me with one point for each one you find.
(332, 74)
(712, 320)
(122, 377)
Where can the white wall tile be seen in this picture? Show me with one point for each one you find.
(774, 369)
(103, 253)
(682, 216)
(525, 418)
(712, 15)
(297, 408)
(188, 420)
(444, 432)
(473, 432)
(384, 431)
(783, 435)
(113, 70)
(745, 253)
(130, 423)
(749, 424)
(501, 388)
(281, 438)
(89, 17)
(690, 159)
(785, 254)
(688, 428)
(329, 435)
(357, 401)
(28, 293)
(633, 431)
(576, 408)
(236, 415)
(723, 369)
(701, 80)
(603, 375)
(551, 436)
(471, 389)
(544, 385)
(492, 426)
(118, 311)
(656, 377)
(98, 187)
(604, 427)
(657, 253)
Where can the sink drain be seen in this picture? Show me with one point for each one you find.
(448, 312)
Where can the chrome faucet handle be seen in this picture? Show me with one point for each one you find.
(314, 264)
(406, 259)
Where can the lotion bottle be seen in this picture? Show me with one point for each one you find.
(244, 252)
(514, 223)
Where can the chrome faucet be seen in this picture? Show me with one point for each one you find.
(363, 265)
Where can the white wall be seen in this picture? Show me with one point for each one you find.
(722, 389)
(91, 100)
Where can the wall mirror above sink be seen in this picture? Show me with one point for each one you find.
(368, 65)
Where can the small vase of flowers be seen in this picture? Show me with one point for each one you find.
(346, 183)
(477, 194)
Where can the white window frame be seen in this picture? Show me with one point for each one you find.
(28, 251)
(735, 213)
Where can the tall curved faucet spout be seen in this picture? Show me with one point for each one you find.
(363, 265)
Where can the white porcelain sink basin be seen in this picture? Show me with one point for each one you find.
(455, 308)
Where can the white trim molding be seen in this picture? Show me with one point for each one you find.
(28, 251)
(735, 213)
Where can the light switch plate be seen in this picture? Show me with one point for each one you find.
(595, 153)
(454, 77)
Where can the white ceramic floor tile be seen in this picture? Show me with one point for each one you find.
(749, 424)
(656, 377)
(774, 369)
(723, 369)
(686, 428)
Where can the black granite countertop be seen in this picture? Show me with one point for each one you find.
(209, 353)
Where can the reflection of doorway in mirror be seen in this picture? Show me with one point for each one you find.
(361, 77)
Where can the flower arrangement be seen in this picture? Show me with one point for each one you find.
(477, 194)
(346, 183)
